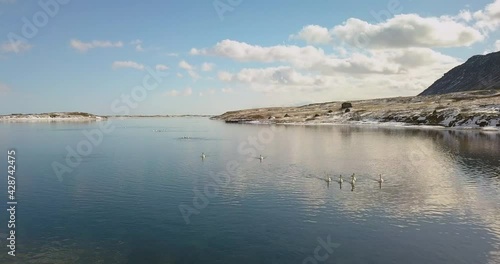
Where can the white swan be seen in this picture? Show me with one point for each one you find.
(353, 179)
(203, 155)
(340, 179)
(380, 180)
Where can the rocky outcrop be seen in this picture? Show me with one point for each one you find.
(481, 72)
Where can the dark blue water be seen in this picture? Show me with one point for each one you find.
(144, 194)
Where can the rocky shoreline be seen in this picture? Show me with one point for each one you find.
(473, 109)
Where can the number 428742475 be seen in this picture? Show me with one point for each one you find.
(11, 170)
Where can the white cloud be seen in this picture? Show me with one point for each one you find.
(186, 66)
(15, 47)
(224, 76)
(313, 34)
(206, 67)
(180, 75)
(171, 54)
(241, 51)
(191, 70)
(161, 67)
(488, 20)
(127, 64)
(277, 76)
(138, 45)
(399, 57)
(85, 46)
(464, 15)
(173, 93)
(315, 59)
(497, 45)
(410, 30)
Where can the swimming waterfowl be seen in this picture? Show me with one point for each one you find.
(340, 179)
(380, 180)
(203, 155)
(329, 179)
(261, 157)
(353, 179)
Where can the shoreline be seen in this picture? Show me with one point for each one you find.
(464, 110)
(377, 125)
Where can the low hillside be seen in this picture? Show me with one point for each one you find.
(464, 109)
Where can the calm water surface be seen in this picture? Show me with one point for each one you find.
(440, 202)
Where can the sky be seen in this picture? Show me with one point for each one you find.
(208, 57)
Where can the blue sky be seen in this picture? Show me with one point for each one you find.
(222, 55)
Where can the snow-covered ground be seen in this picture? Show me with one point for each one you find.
(51, 117)
(476, 109)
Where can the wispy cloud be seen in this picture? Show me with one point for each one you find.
(127, 64)
(224, 76)
(138, 45)
(173, 93)
(171, 54)
(86, 46)
(206, 67)
(185, 65)
(15, 47)
(161, 67)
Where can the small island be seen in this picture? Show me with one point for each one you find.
(52, 117)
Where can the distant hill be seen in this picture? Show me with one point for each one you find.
(480, 72)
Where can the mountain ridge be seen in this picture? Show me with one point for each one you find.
(479, 72)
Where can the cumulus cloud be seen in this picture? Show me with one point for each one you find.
(86, 46)
(173, 93)
(398, 56)
(190, 69)
(206, 67)
(315, 59)
(410, 30)
(127, 64)
(313, 34)
(15, 47)
(241, 51)
(161, 67)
